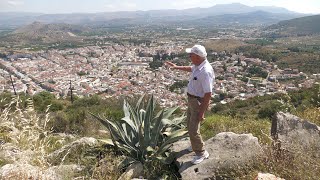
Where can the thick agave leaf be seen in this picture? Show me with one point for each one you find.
(138, 105)
(107, 141)
(142, 115)
(147, 120)
(126, 109)
(179, 120)
(129, 121)
(167, 114)
(174, 136)
(126, 132)
(132, 114)
(163, 149)
(128, 150)
(166, 121)
(156, 130)
(126, 162)
(124, 136)
(168, 159)
(141, 138)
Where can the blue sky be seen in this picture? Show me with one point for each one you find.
(92, 6)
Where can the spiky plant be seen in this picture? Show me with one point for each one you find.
(142, 135)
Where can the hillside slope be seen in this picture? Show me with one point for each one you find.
(46, 33)
(297, 27)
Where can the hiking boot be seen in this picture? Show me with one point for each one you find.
(199, 159)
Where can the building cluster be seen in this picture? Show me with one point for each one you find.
(115, 70)
(111, 71)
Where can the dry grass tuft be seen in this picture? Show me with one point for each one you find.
(23, 128)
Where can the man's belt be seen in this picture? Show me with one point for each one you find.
(193, 96)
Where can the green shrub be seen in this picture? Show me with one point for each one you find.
(59, 122)
(269, 110)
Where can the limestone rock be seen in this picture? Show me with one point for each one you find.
(133, 171)
(229, 152)
(63, 171)
(27, 171)
(294, 133)
(267, 176)
(11, 153)
(20, 171)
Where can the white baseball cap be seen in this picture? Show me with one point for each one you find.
(198, 50)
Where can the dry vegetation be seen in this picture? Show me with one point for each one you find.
(223, 44)
(28, 132)
(26, 144)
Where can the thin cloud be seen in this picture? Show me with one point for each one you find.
(121, 6)
(184, 4)
(15, 3)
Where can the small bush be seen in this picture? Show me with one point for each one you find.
(269, 110)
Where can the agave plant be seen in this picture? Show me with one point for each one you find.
(143, 135)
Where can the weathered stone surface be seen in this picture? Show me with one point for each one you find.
(20, 171)
(294, 133)
(11, 153)
(27, 171)
(133, 171)
(228, 151)
(267, 176)
(63, 171)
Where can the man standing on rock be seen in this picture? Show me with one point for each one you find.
(199, 94)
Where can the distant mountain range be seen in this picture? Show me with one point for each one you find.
(296, 27)
(251, 18)
(223, 13)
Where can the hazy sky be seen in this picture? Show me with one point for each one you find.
(92, 6)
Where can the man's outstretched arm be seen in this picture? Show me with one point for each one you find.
(174, 66)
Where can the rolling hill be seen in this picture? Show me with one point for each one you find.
(46, 33)
(251, 18)
(309, 25)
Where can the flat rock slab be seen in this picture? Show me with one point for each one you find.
(229, 152)
(27, 171)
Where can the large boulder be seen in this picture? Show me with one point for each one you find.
(229, 154)
(295, 134)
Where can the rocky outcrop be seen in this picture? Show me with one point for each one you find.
(295, 134)
(229, 153)
(27, 171)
